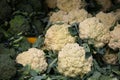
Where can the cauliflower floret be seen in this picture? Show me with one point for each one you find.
(68, 5)
(110, 57)
(7, 67)
(91, 28)
(58, 36)
(106, 18)
(51, 3)
(33, 57)
(77, 15)
(54, 18)
(115, 38)
(72, 61)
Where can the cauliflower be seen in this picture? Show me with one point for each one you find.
(77, 15)
(33, 57)
(110, 57)
(115, 38)
(58, 36)
(106, 18)
(54, 18)
(68, 5)
(51, 3)
(7, 67)
(72, 61)
(91, 28)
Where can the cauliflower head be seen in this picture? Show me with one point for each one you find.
(51, 3)
(108, 19)
(72, 61)
(114, 42)
(54, 18)
(91, 28)
(68, 5)
(110, 57)
(7, 67)
(76, 15)
(33, 57)
(58, 36)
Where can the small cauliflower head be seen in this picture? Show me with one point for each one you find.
(33, 57)
(54, 18)
(114, 42)
(68, 5)
(95, 31)
(76, 15)
(110, 57)
(51, 3)
(108, 19)
(72, 61)
(57, 36)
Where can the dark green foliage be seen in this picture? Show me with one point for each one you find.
(7, 67)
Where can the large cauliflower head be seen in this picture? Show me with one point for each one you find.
(92, 28)
(115, 38)
(68, 5)
(7, 67)
(58, 36)
(77, 15)
(72, 61)
(108, 19)
(33, 57)
(54, 18)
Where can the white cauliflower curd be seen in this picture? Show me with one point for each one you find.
(72, 61)
(77, 15)
(68, 5)
(115, 38)
(58, 17)
(108, 19)
(92, 28)
(57, 36)
(33, 57)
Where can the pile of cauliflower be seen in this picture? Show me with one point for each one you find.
(71, 56)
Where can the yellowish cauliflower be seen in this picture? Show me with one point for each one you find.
(108, 19)
(77, 15)
(110, 57)
(68, 5)
(72, 61)
(92, 28)
(115, 38)
(33, 57)
(51, 3)
(58, 17)
(57, 36)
